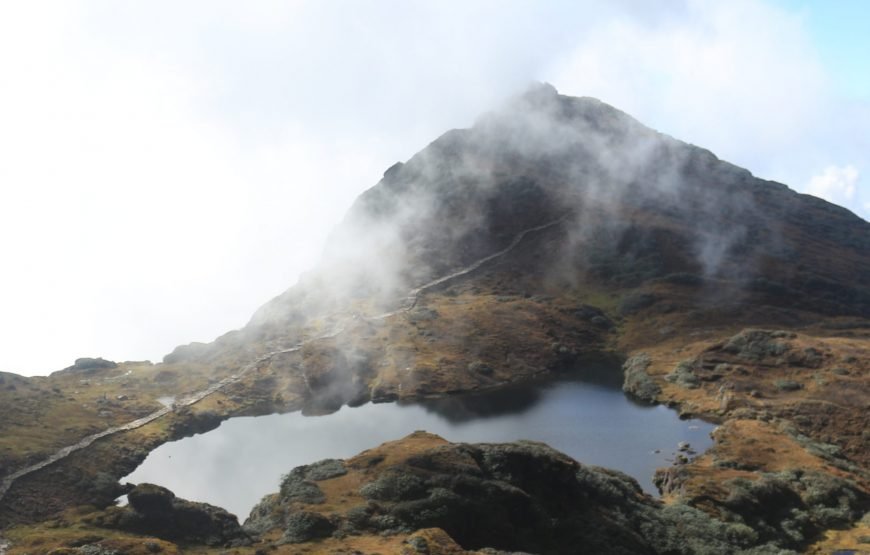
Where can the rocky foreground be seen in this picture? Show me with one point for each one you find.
(422, 494)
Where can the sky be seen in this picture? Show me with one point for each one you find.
(168, 167)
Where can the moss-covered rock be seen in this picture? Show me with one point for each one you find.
(304, 526)
(636, 381)
(527, 496)
(754, 345)
(156, 511)
(683, 375)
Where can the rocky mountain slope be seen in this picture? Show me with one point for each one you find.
(556, 230)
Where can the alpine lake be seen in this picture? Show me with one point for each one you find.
(583, 414)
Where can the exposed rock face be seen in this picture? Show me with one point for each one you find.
(156, 511)
(521, 496)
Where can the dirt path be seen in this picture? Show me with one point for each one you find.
(411, 301)
(414, 295)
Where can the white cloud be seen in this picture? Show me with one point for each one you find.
(741, 78)
(738, 77)
(131, 221)
(835, 183)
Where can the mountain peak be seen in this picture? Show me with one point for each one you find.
(540, 92)
(639, 206)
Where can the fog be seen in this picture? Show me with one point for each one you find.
(166, 169)
(540, 159)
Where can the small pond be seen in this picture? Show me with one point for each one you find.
(591, 420)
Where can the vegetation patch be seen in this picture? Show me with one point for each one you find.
(683, 375)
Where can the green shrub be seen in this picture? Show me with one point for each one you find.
(787, 385)
(684, 376)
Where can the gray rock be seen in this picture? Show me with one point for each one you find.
(266, 515)
(156, 511)
(636, 381)
(754, 345)
(303, 526)
(684, 376)
(325, 469)
(150, 499)
(88, 365)
(296, 486)
(394, 486)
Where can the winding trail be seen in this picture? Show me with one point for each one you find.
(410, 302)
(414, 294)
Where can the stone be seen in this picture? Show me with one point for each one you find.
(156, 511)
(636, 380)
(150, 499)
(303, 526)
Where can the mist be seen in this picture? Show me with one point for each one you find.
(538, 159)
(168, 169)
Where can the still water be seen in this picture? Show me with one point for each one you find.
(236, 464)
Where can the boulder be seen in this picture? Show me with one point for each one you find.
(754, 345)
(88, 365)
(636, 380)
(156, 511)
(304, 526)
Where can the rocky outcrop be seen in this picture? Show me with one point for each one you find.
(793, 506)
(88, 365)
(636, 381)
(155, 511)
(754, 345)
(299, 486)
(521, 496)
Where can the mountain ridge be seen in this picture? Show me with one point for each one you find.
(445, 167)
(573, 233)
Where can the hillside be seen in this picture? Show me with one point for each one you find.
(553, 232)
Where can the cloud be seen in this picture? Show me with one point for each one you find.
(740, 78)
(835, 183)
(132, 220)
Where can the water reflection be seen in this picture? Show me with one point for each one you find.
(236, 464)
(457, 409)
(515, 399)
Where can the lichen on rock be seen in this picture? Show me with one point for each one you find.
(636, 380)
